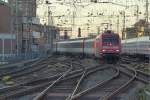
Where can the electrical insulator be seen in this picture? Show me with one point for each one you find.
(46, 2)
(95, 1)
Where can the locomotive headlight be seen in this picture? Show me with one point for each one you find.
(103, 50)
(117, 50)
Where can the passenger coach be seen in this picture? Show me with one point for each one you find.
(139, 47)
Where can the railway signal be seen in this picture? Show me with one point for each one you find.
(65, 34)
(79, 32)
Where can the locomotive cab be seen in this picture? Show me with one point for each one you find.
(110, 46)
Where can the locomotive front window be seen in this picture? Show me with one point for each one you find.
(112, 40)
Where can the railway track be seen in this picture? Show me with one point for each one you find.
(138, 66)
(28, 66)
(34, 85)
(106, 89)
(17, 70)
(66, 89)
(36, 70)
(72, 86)
(76, 82)
(15, 66)
(44, 67)
(22, 88)
(44, 71)
(100, 90)
(141, 76)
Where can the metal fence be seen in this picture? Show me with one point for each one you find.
(11, 58)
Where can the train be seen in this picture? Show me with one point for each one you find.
(104, 46)
(139, 47)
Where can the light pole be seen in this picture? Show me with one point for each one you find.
(137, 12)
(11, 29)
(73, 17)
(118, 24)
(123, 24)
(3, 49)
(30, 32)
(50, 19)
(17, 33)
(147, 11)
(50, 31)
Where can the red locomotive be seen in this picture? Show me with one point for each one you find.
(106, 45)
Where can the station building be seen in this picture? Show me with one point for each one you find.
(31, 38)
(21, 32)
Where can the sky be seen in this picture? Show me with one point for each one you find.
(92, 16)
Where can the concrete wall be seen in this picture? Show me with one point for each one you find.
(7, 46)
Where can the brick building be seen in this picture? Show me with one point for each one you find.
(21, 32)
(24, 18)
(7, 38)
(30, 30)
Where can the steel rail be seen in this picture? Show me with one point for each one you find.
(76, 96)
(51, 78)
(76, 88)
(22, 85)
(36, 88)
(141, 76)
(33, 66)
(27, 71)
(108, 97)
(33, 89)
(91, 70)
(21, 90)
(85, 73)
(38, 97)
(22, 69)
